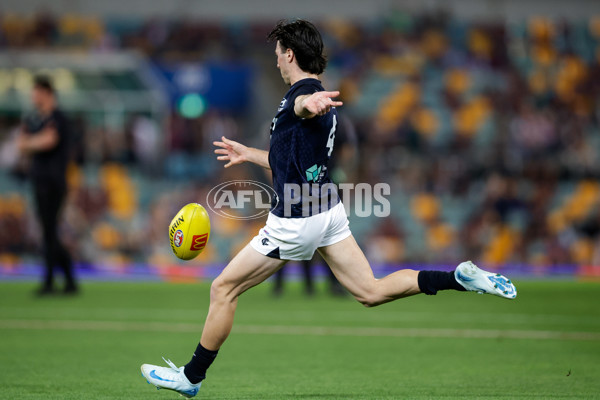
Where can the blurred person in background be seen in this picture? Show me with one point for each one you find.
(308, 272)
(44, 136)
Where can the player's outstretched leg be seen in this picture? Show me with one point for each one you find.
(352, 269)
(247, 269)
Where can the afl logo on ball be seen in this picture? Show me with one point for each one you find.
(178, 238)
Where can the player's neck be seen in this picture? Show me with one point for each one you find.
(298, 76)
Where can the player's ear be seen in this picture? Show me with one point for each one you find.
(289, 55)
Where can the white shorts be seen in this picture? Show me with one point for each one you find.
(297, 239)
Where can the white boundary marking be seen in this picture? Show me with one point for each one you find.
(406, 317)
(125, 326)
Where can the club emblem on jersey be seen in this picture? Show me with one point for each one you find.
(178, 238)
(282, 105)
(313, 173)
(199, 242)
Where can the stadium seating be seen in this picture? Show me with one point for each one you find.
(453, 114)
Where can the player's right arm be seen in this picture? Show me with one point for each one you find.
(316, 104)
(237, 153)
(45, 140)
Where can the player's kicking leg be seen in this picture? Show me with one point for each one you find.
(352, 269)
(247, 269)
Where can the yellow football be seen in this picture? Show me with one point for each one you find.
(189, 231)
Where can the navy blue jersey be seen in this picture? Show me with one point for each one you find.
(49, 164)
(299, 154)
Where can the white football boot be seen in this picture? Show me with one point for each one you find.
(477, 280)
(171, 378)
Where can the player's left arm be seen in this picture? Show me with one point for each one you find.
(236, 153)
(318, 103)
(46, 140)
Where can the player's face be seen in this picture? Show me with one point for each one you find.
(282, 63)
(37, 97)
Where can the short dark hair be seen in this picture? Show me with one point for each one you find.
(44, 83)
(305, 41)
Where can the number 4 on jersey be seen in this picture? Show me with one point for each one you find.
(331, 137)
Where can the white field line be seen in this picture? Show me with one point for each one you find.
(8, 312)
(127, 326)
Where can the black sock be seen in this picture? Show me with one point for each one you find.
(195, 370)
(432, 281)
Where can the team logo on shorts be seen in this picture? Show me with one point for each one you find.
(265, 241)
(178, 238)
(198, 242)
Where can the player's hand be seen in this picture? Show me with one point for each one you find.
(232, 151)
(21, 142)
(320, 103)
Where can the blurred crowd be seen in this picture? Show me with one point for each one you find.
(488, 134)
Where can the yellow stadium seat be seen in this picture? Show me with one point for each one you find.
(439, 237)
(480, 44)
(541, 28)
(501, 245)
(457, 81)
(425, 207)
(425, 122)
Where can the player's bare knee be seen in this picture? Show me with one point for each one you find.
(369, 299)
(221, 291)
(369, 303)
(215, 290)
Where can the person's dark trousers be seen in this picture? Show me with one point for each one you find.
(335, 287)
(278, 287)
(309, 287)
(49, 198)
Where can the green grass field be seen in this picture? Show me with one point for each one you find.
(546, 344)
